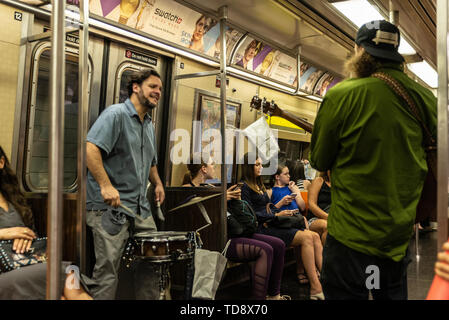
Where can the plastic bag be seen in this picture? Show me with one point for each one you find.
(261, 136)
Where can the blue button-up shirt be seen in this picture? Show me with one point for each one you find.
(128, 149)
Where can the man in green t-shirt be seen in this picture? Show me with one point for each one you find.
(373, 146)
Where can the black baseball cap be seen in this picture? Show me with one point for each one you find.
(380, 39)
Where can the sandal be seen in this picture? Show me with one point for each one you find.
(279, 297)
(302, 278)
(317, 296)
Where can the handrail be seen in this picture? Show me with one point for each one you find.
(442, 139)
(83, 114)
(56, 151)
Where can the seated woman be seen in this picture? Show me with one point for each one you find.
(267, 252)
(254, 192)
(319, 203)
(16, 223)
(281, 197)
(285, 194)
(296, 169)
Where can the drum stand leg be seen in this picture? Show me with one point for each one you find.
(163, 269)
(189, 279)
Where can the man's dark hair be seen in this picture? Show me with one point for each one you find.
(139, 77)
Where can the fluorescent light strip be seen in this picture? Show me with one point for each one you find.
(358, 11)
(405, 47)
(314, 98)
(425, 72)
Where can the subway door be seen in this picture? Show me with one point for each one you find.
(34, 132)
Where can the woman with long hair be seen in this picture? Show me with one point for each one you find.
(16, 223)
(296, 169)
(319, 195)
(255, 193)
(267, 252)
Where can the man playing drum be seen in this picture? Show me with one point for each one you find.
(121, 156)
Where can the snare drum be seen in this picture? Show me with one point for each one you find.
(164, 246)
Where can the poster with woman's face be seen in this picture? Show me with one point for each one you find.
(260, 58)
(323, 84)
(311, 76)
(165, 19)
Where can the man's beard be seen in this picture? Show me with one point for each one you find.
(361, 65)
(145, 102)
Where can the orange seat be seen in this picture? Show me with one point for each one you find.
(305, 198)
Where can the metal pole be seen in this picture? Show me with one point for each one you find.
(442, 154)
(56, 150)
(223, 18)
(394, 14)
(83, 112)
(298, 69)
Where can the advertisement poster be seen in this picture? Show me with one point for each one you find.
(259, 57)
(325, 83)
(310, 78)
(167, 20)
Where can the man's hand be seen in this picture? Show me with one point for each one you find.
(159, 193)
(110, 195)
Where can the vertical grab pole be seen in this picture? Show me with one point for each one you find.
(442, 139)
(83, 111)
(56, 150)
(223, 18)
(393, 14)
(298, 69)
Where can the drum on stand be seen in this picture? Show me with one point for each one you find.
(163, 248)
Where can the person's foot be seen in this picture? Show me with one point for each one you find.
(279, 297)
(317, 296)
(302, 278)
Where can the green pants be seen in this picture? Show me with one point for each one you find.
(108, 252)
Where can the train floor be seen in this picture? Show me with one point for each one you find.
(420, 274)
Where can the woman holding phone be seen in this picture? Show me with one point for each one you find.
(265, 251)
(285, 194)
(255, 193)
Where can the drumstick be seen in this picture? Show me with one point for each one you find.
(131, 212)
(160, 215)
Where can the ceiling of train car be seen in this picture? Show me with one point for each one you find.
(325, 36)
(283, 23)
(418, 19)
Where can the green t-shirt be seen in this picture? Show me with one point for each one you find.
(374, 148)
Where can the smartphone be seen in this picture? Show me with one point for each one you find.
(239, 185)
(293, 195)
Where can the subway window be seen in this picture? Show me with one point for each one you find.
(36, 170)
(124, 79)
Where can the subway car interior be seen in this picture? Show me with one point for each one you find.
(224, 65)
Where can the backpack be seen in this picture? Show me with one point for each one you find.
(242, 221)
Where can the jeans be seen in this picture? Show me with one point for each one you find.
(108, 252)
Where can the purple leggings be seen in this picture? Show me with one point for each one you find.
(268, 253)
